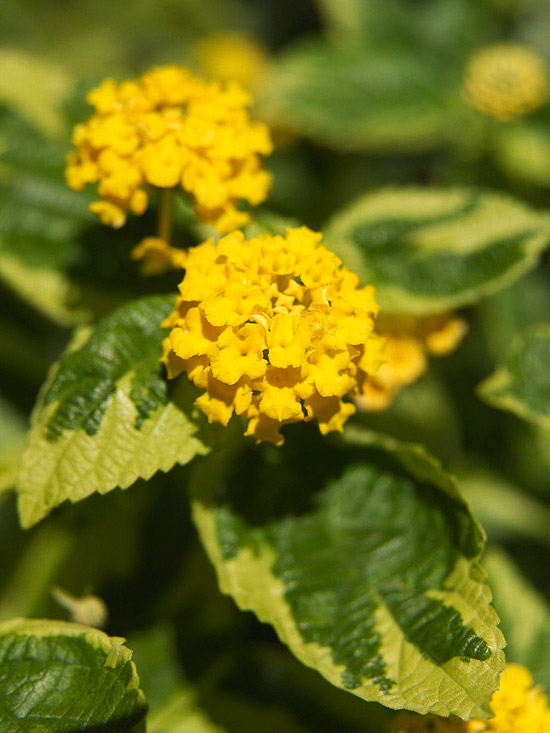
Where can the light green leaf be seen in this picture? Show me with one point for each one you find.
(347, 19)
(35, 86)
(427, 250)
(27, 589)
(40, 219)
(521, 384)
(268, 222)
(374, 582)
(524, 613)
(57, 677)
(392, 98)
(503, 509)
(523, 151)
(105, 417)
(12, 441)
(172, 701)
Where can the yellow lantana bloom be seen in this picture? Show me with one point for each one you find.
(518, 707)
(171, 129)
(232, 57)
(274, 329)
(408, 341)
(506, 80)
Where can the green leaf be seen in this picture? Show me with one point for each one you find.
(12, 442)
(172, 700)
(347, 19)
(268, 222)
(523, 151)
(524, 613)
(392, 98)
(57, 677)
(521, 384)
(512, 310)
(35, 86)
(26, 591)
(503, 509)
(427, 250)
(105, 417)
(40, 219)
(373, 582)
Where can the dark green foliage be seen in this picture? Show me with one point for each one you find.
(75, 686)
(128, 341)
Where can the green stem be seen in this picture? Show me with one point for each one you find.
(166, 214)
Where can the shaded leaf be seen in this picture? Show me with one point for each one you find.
(428, 250)
(40, 219)
(172, 702)
(524, 615)
(392, 98)
(12, 442)
(521, 384)
(503, 509)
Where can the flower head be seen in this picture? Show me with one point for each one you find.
(232, 57)
(274, 329)
(505, 80)
(171, 129)
(518, 707)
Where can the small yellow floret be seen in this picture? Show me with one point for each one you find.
(157, 256)
(274, 329)
(518, 707)
(169, 130)
(403, 358)
(506, 80)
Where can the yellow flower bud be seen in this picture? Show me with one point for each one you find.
(506, 80)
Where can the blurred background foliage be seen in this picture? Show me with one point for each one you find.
(360, 94)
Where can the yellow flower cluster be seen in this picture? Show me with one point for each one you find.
(232, 57)
(505, 80)
(518, 707)
(171, 129)
(274, 329)
(408, 340)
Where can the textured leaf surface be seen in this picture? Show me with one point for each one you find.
(57, 677)
(428, 250)
(374, 583)
(369, 99)
(524, 613)
(38, 246)
(104, 417)
(522, 382)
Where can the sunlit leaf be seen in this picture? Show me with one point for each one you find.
(105, 417)
(373, 582)
(427, 249)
